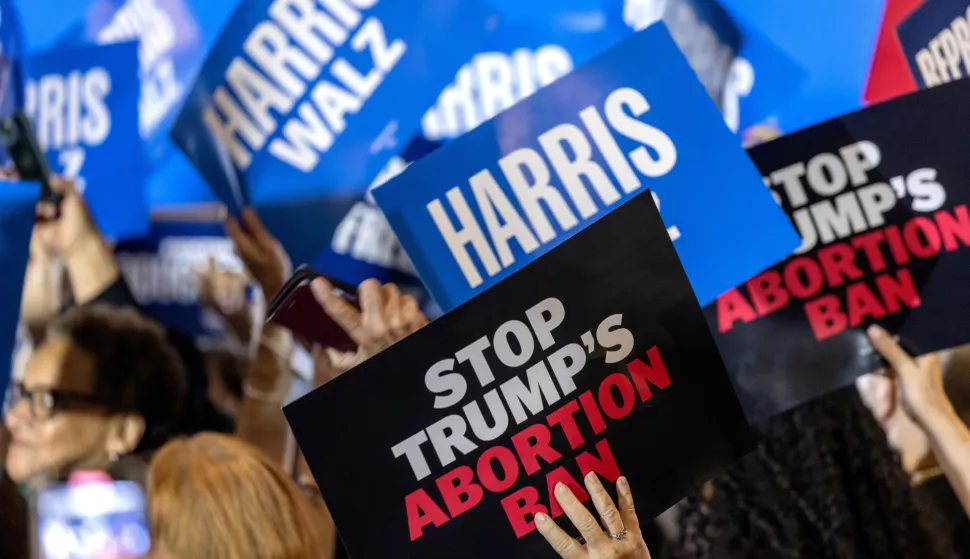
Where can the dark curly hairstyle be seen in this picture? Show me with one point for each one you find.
(136, 369)
(822, 484)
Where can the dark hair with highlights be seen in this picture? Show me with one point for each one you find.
(136, 369)
(823, 483)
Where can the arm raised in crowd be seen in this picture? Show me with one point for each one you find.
(260, 420)
(920, 382)
(74, 237)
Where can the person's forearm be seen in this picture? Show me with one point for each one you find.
(260, 420)
(950, 441)
(92, 268)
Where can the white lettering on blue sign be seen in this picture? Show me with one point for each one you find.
(491, 83)
(144, 21)
(166, 277)
(70, 114)
(283, 56)
(535, 179)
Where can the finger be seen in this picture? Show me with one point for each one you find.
(876, 391)
(888, 348)
(254, 225)
(411, 314)
(627, 511)
(566, 547)
(580, 517)
(62, 185)
(244, 245)
(393, 317)
(342, 361)
(928, 362)
(604, 504)
(342, 312)
(374, 329)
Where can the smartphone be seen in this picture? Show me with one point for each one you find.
(18, 137)
(94, 519)
(295, 308)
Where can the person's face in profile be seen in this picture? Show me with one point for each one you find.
(55, 422)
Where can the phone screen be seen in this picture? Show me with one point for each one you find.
(102, 520)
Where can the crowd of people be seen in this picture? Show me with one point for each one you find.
(877, 472)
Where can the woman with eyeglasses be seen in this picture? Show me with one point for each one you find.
(105, 384)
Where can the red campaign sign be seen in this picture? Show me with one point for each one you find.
(890, 75)
(880, 198)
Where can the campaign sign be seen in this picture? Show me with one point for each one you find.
(880, 199)
(889, 74)
(480, 208)
(305, 100)
(936, 40)
(170, 52)
(594, 358)
(83, 104)
(17, 203)
(158, 270)
(520, 60)
(702, 29)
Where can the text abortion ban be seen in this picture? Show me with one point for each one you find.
(879, 198)
(594, 358)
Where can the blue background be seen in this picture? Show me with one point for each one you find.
(731, 227)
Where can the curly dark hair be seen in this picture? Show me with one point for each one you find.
(822, 484)
(136, 369)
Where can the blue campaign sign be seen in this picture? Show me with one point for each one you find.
(17, 202)
(702, 29)
(936, 40)
(171, 51)
(83, 103)
(519, 60)
(296, 104)
(158, 269)
(478, 209)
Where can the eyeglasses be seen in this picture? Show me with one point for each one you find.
(44, 401)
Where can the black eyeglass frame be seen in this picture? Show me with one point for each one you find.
(49, 398)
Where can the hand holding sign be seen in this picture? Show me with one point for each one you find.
(624, 540)
(224, 291)
(259, 250)
(74, 228)
(920, 380)
(385, 317)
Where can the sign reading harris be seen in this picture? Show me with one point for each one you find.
(594, 358)
(306, 99)
(880, 199)
(83, 104)
(478, 209)
(936, 40)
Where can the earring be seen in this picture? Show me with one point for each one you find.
(112, 457)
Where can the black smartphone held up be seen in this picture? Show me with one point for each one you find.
(295, 308)
(18, 137)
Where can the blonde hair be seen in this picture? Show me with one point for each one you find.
(216, 497)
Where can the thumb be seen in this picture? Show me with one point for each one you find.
(888, 348)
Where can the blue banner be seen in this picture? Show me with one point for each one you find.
(17, 203)
(295, 104)
(170, 52)
(158, 269)
(480, 208)
(520, 59)
(936, 40)
(84, 107)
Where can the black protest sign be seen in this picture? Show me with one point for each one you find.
(880, 198)
(594, 358)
